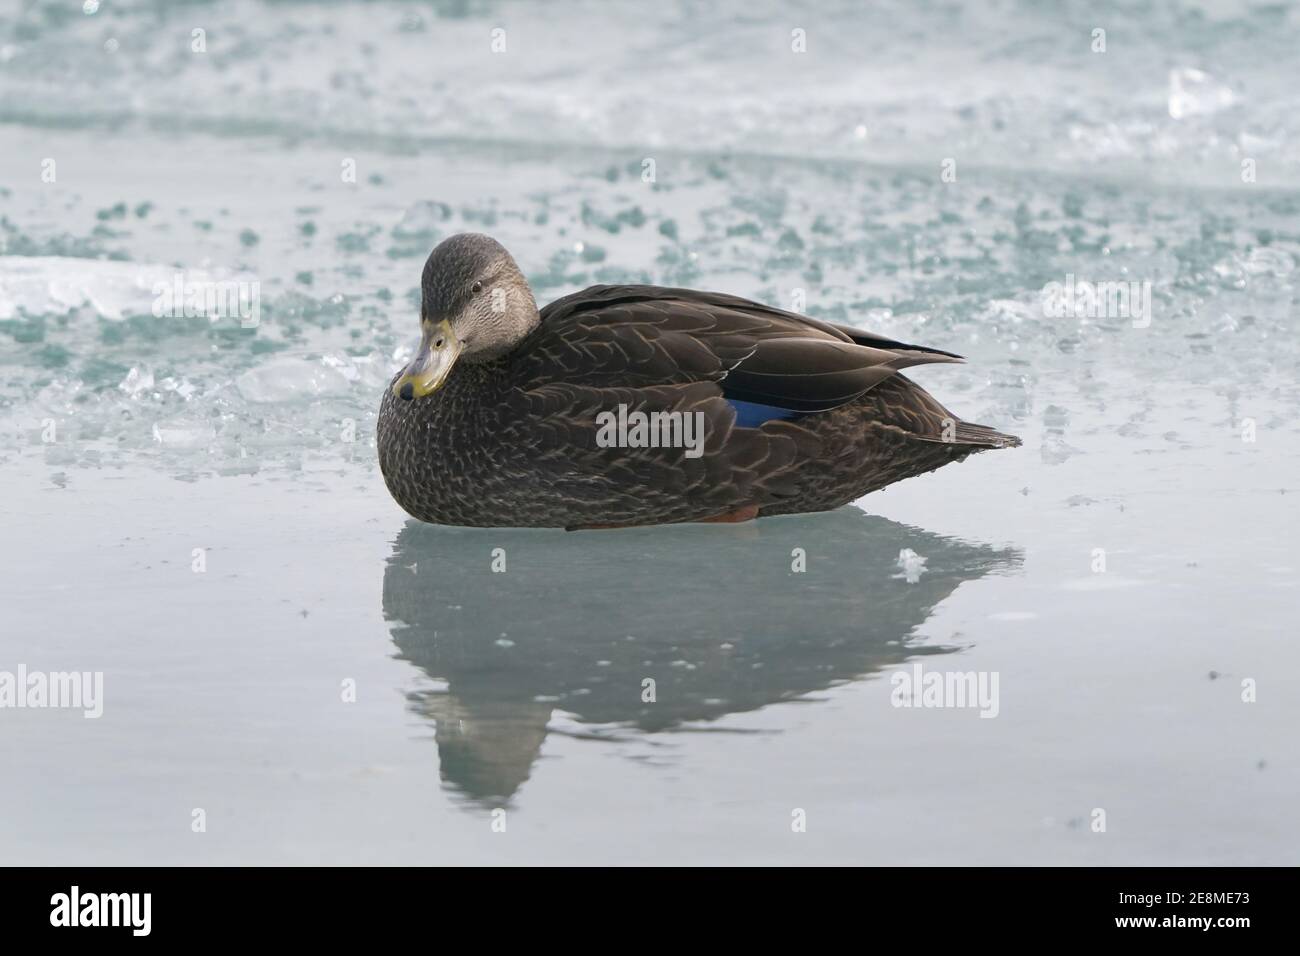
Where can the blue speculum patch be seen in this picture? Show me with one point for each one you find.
(753, 414)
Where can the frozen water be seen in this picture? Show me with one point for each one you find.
(1195, 93)
(911, 564)
(319, 150)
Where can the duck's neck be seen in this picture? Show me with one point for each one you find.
(465, 410)
(437, 453)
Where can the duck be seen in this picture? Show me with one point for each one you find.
(631, 405)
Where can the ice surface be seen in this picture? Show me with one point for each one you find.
(58, 285)
(911, 565)
(1036, 92)
(129, 440)
(1195, 93)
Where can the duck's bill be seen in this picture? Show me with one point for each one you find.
(438, 351)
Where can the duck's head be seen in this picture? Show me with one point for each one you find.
(475, 305)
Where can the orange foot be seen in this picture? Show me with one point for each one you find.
(743, 513)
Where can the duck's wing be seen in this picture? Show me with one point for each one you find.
(753, 375)
(638, 336)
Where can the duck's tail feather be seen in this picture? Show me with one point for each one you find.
(968, 433)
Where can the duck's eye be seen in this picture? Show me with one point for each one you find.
(476, 288)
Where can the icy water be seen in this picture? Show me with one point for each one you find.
(191, 506)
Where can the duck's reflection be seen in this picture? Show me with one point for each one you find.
(715, 616)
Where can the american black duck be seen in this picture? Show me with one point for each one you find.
(513, 417)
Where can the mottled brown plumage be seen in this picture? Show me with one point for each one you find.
(510, 439)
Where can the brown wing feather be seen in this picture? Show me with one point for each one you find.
(646, 335)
